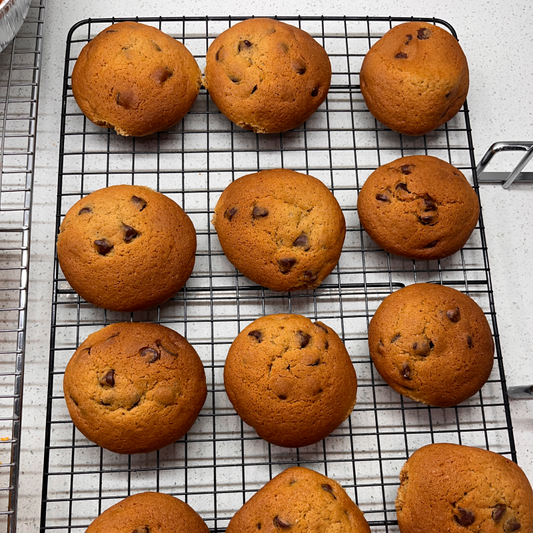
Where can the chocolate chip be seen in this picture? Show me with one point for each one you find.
(511, 525)
(112, 31)
(314, 92)
(129, 233)
(259, 212)
(303, 338)
(402, 187)
(431, 244)
(406, 371)
(282, 396)
(383, 196)
(258, 526)
(256, 334)
(254, 89)
(230, 211)
(427, 220)
(279, 522)
(423, 34)
(447, 95)
(315, 363)
(144, 529)
(156, 46)
(409, 38)
(138, 202)
(498, 511)
(454, 315)
(151, 354)
(328, 488)
(310, 276)
(244, 45)
(126, 99)
(396, 337)
(422, 348)
(299, 66)
(302, 241)
(284, 47)
(429, 205)
(233, 78)
(108, 379)
(286, 263)
(321, 326)
(84, 210)
(406, 169)
(465, 517)
(161, 74)
(401, 55)
(217, 55)
(159, 345)
(470, 341)
(381, 347)
(103, 246)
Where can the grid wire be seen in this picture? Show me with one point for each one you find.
(221, 462)
(19, 84)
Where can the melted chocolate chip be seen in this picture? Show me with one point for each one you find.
(125, 99)
(279, 522)
(454, 315)
(156, 46)
(427, 220)
(217, 55)
(138, 202)
(233, 78)
(498, 512)
(423, 34)
(161, 74)
(406, 371)
(465, 517)
(383, 196)
(299, 66)
(256, 334)
(314, 92)
(470, 341)
(302, 241)
(409, 37)
(244, 45)
(431, 244)
(321, 326)
(230, 211)
(112, 31)
(511, 525)
(402, 187)
(103, 246)
(429, 205)
(396, 337)
(254, 89)
(328, 488)
(303, 338)
(422, 348)
(84, 210)
(108, 379)
(259, 212)
(406, 169)
(286, 263)
(151, 355)
(401, 55)
(144, 529)
(129, 233)
(310, 276)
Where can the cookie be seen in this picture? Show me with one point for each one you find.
(292, 380)
(267, 76)
(418, 207)
(432, 344)
(299, 500)
(136, 79)
(461, 489)
(282, 229)
(134, 387)
(126, 247)
(149, 512)
(415, 78)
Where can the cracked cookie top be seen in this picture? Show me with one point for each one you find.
(126, 247)
(292, 380)
(299, 500)
(134, 387)
(432, 344)
(415, 78)
(419, 207)
(136, 79)
(267, 76)
(282, 229)
(462, 489)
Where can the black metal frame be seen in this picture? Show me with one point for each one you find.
(222, 462)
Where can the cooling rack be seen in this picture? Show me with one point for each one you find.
(19, 85)
(221, 462)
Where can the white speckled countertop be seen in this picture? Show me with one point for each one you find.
(497, 37)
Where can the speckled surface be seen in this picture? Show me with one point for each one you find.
(497, 38)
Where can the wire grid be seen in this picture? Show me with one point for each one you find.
(19, 83)
(221, 462)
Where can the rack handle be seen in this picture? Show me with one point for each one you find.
(503, 177)
(521, 392)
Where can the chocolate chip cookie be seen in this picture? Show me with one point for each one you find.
(149, 512)
(282, 229)
(136, 79)
(126, 247)
(299, 500)
(432, 344)
(418, 207)
(267, 76)
(460, 489)
(415, 78)
(134, 387)
(292, 380)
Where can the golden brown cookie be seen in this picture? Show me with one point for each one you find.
(299, 500)
(418, 207)
(282, 229)
(126, 247)
(134, 387)
(432, 344)
(267, 76)
(149, 512)
(292, 380)
(415, 78)
(460, 489)
(136, 79)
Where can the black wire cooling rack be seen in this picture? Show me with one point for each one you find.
(221, 462)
